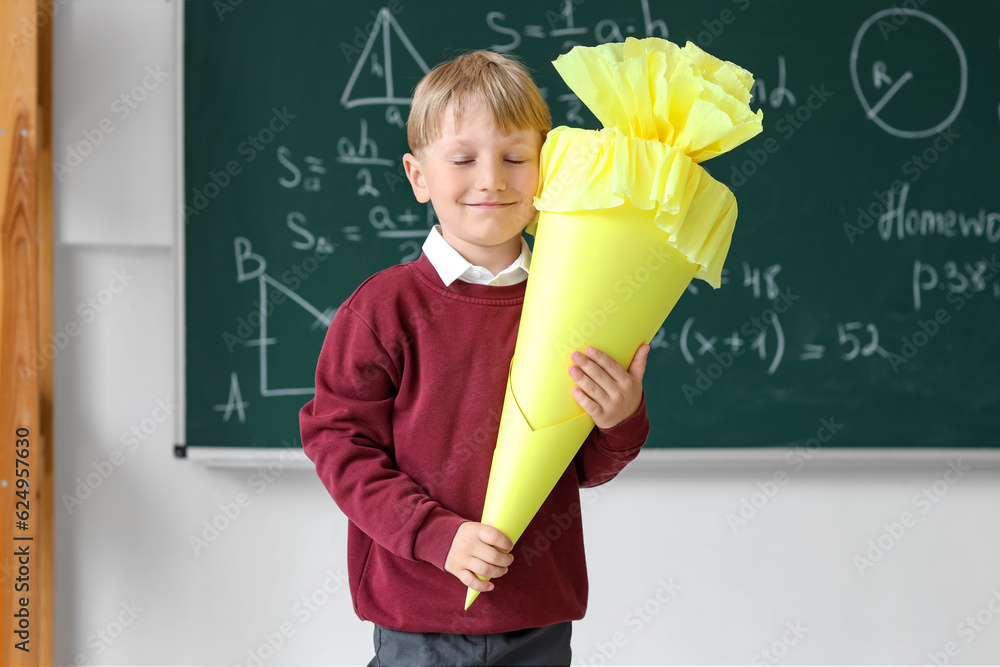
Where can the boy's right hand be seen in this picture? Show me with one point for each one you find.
(478, 549)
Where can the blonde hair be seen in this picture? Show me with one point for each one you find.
(500, 82)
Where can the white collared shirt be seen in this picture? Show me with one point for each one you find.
(451, 266)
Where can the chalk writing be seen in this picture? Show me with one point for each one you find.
(605, 30)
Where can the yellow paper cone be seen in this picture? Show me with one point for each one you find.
(542, 426)
(625, 222)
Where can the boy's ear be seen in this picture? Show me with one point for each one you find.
(415, 174)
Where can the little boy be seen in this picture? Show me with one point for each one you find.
(409, 388)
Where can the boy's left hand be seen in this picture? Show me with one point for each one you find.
(605, 390)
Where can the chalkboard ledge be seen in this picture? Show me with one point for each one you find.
(830, 457)
(246, 457)
(652, 458)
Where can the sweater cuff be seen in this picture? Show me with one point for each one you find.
(629, 434)
(434, 538)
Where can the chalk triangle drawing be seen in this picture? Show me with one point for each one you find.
(264, 342)
(384, 24)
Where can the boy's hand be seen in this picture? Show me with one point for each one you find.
(605, 390)
(478, 549)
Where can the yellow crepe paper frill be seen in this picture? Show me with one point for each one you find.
(652, 89)
(586, 170)
(664, 109)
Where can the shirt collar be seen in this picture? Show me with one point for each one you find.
(451, 266)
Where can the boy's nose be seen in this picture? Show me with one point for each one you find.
(490, 176)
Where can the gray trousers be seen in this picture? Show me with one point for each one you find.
(543, 646)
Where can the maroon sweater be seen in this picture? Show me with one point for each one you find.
(409, 387)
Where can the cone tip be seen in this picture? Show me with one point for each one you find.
(470, 597)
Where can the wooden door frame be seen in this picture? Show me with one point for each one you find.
(26, 325)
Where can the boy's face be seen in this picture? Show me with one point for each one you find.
(481, 182)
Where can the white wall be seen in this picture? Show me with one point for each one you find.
(672, 582)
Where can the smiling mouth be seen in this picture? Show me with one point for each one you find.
(489, 205)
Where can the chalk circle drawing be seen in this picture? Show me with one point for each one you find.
(384, 26)
(872, 111)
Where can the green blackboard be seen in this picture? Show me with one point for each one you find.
(861, 289)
